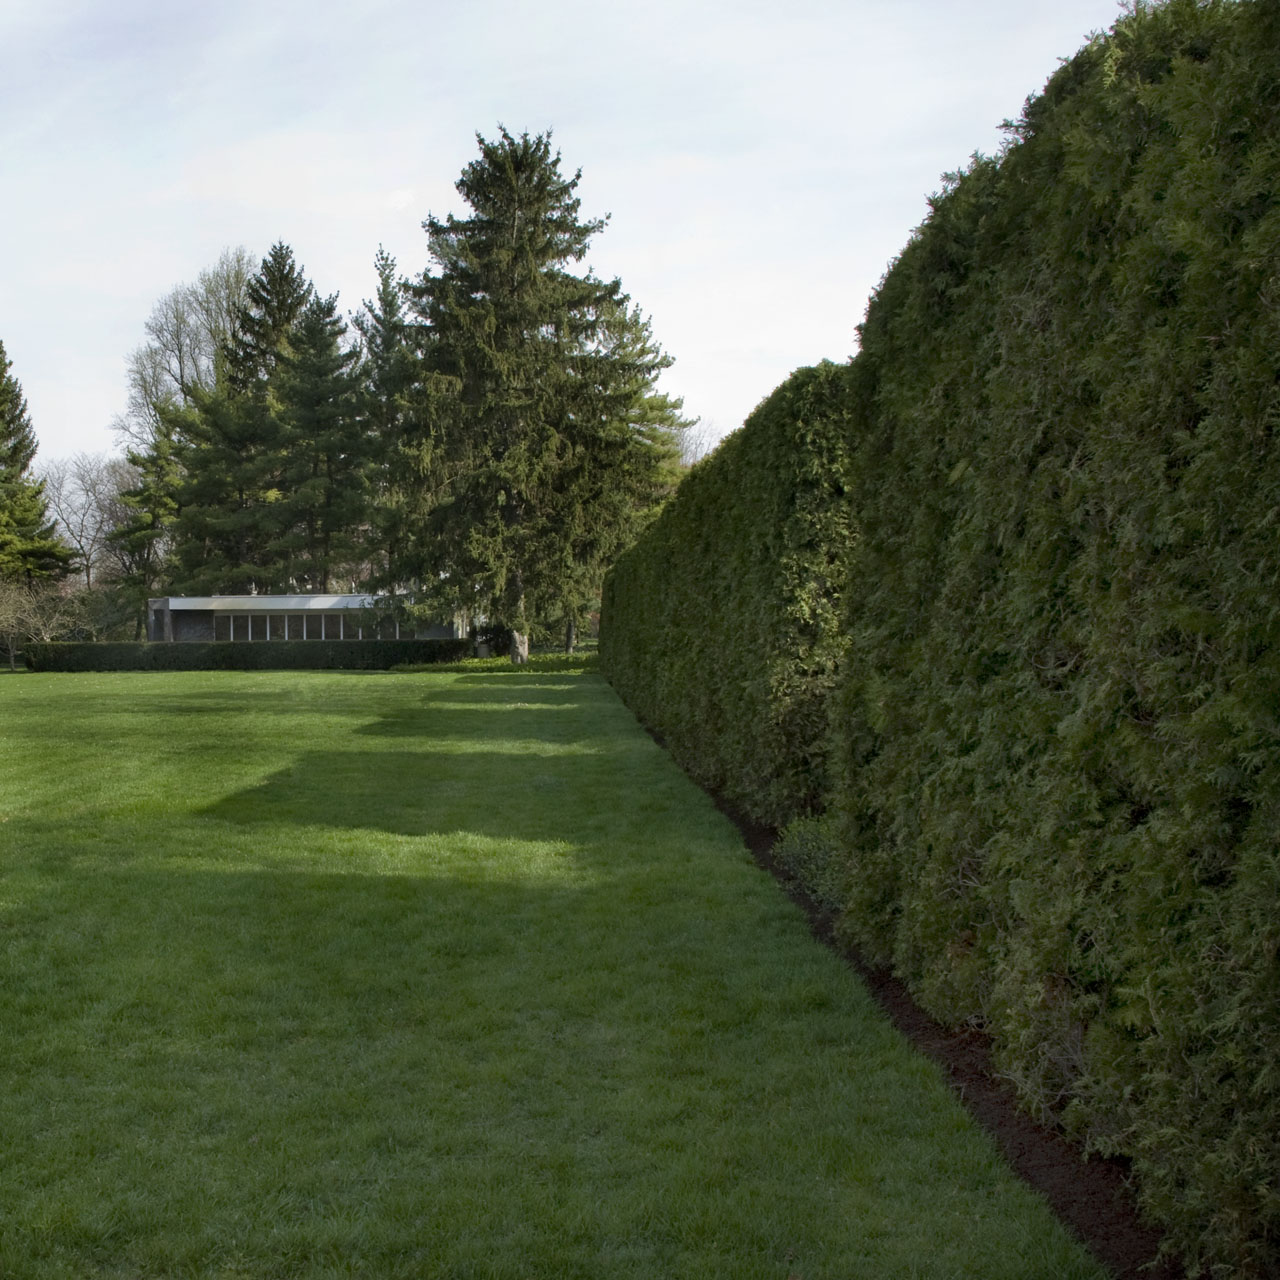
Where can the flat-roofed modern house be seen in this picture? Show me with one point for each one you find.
(266, 618)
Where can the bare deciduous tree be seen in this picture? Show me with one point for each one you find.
(186, 334)
(697, 440)
(83, 493)
(36, 611)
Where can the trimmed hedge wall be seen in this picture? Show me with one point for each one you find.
(1055, 748)
(275, 655)
(1060, 772)
(720, 630)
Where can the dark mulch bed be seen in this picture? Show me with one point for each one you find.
(1092, 1197)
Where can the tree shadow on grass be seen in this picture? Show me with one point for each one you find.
(518, 725)
(570, 686)
(484, 710)
(163, 704)
(550, 792)
(422, 694)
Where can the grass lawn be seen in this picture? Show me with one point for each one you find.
(437, 975)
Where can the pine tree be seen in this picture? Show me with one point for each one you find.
(539, 441)
(29, 546)
(324, 479)
(227, 446)
(608, 492)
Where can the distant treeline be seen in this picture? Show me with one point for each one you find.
(991, 615)
(482, 442)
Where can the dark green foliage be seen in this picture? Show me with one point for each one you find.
(1057, 765)
(1060, 771)
(229, 448)
(811, 850)
(274, 299)
(720, 629)
(278, 655)
(538, 445)
(273, 461)
(387, 359)
(142, 540)
(324, 474)
(30, 548)
(387, 374)
(18, 441)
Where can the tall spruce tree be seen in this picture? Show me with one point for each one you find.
(274, 299)
(29, 546)
(324, 476)
(388, 372)
(539, 442)
(229, 442)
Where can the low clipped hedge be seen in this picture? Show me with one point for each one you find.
(274, 655)
(721, 628)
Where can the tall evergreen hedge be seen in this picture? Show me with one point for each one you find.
(720, 629)
(1055, 746)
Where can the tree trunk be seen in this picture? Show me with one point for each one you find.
(570, 636)
(519, 637)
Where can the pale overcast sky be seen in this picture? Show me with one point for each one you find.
(763, 162)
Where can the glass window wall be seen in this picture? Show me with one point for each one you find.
(333, 625)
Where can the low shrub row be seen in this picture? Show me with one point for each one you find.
(276, 655)
(1044, 724)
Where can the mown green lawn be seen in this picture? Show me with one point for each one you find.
(447, 974)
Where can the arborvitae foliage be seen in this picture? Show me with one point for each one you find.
(279, 655)
(1060, 787)
(1057, 769)
(29, 545)
(324, 476)
(721, 627)
(537, 443)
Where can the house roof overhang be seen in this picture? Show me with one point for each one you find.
(259, 604)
